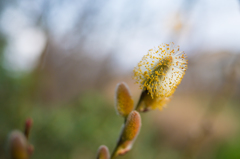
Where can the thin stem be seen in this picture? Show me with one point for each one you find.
(114, 154)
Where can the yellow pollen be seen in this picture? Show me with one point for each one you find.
(158, 76)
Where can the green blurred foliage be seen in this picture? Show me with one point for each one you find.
(229, 150)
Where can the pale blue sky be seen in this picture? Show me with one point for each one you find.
(130, 28)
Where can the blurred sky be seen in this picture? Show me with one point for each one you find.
(126, 28)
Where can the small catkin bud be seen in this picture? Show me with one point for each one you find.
(18, 145)
(103, 152)
(132, 127)
(123, 100)
(129, 133)
(28, 126)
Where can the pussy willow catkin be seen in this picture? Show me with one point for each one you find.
(161, 70)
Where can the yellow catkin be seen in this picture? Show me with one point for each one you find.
(161, 71)
(103, 152)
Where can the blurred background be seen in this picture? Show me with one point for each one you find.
(60, 61)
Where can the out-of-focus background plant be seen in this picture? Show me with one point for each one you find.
(61, 60)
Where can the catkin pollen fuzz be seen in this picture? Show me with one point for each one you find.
(161, 70)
